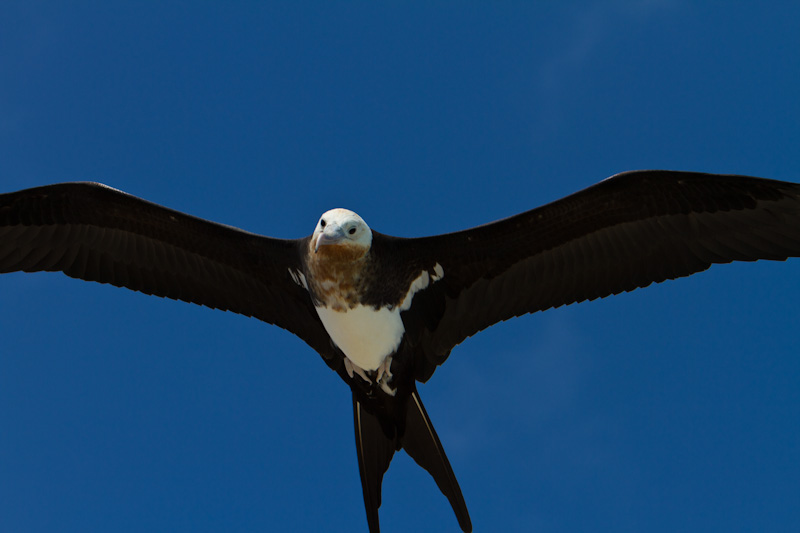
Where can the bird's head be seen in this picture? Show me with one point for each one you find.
(341, 230)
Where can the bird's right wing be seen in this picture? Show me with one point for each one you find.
(95, 233)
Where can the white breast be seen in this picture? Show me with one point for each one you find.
(364, 334)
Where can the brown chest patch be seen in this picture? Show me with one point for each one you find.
(335, 275)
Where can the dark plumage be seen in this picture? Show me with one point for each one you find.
(623, 233)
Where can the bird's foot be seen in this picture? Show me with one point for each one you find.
(383, 374)
(385, 370)
(353, 368)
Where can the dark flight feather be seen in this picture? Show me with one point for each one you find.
(96, 233)
(621, 234)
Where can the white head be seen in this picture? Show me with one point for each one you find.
(341, 227)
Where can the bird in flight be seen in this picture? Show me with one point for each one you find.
(384, 312)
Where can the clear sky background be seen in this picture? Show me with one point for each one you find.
(673, 408)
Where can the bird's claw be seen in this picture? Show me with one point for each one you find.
(383, 374)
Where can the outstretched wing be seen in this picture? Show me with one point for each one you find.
(626, 232)
(96, 233)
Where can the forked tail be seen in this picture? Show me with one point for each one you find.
(377, 438)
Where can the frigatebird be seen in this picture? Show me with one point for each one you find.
(384, 312)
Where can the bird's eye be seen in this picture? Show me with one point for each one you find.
(352, 231)
(322, 223)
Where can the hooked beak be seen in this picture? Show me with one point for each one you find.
(330, 235)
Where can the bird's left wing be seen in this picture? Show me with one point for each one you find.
(626, 232)
(96, 233)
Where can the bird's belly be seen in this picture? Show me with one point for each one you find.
(366, 335)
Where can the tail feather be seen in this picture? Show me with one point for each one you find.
(375, 451)
(422, 444)
(376, 442)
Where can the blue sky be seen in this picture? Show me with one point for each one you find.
(673, 408)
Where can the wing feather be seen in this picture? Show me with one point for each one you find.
(626, 232)
(96, 233)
